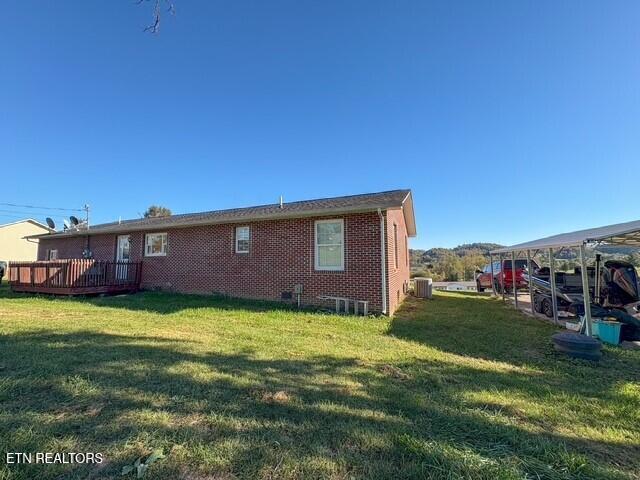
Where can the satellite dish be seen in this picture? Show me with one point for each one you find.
(51, 223)
(74, 221)
(66, 225)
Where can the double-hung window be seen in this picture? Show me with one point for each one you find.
(53, 254)
(243, 236)
(155, 245)
(329, 244)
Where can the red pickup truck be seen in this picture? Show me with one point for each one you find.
(503, 276)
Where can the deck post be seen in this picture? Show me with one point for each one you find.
(585, 292)
(552, 278)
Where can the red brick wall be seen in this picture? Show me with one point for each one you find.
(203, 260)
(67, 248)
(398, 275)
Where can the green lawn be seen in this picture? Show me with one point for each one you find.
(457, 387)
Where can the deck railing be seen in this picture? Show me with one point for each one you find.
(74, 276)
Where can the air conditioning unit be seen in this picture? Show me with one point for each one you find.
(423, 287)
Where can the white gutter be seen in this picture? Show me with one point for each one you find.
(383, 263)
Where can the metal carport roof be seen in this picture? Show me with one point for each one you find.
(622, 233)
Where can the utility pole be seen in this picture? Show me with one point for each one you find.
(86, 209)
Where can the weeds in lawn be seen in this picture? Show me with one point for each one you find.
(139, 467)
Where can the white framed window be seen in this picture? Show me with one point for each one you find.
(53, 254)
(155, 244)
(243, 236)
(329, 244)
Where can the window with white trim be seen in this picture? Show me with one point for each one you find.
(329, 244)
(155, 245)
(243, 236)
(53, 254)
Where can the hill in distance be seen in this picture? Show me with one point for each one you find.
(458, 263)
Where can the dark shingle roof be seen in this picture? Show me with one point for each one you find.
(325, 206)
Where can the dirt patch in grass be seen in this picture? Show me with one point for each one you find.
(280, 396)
(394, 372)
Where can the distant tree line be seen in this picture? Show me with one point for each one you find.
(461, 262)
(451, 264)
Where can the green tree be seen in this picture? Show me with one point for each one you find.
(634, 259)
(157, 211)
(452, 268)
(471, 263)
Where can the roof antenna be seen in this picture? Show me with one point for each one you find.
(86, 209)
(281, 202)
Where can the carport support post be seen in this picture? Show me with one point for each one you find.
(513, 278)
(529, 275)
(504, 295)
(493, 282)
(585, 291)
(552, 278)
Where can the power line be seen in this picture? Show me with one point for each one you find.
(18, 212)
(11, 216)
(43, 208)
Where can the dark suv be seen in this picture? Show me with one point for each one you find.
(503, 276)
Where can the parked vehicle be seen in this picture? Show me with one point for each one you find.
(503, 276)
(615, 292)
(618, 288)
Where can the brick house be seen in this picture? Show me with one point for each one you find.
(329, 247)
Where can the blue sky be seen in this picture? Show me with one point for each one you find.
(482, 108)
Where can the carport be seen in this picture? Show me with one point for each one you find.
(619, 234)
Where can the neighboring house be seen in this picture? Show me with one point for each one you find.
(14, 245)
(329, 247)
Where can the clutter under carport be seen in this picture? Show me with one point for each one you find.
(605, 297)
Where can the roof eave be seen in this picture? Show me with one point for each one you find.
(28, 220)
(409, 215)
(275, 216)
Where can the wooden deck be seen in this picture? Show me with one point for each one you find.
(75, 277)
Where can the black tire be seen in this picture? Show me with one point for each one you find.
(479, 288)
(536, 304)
(547, 307)
(577, 345)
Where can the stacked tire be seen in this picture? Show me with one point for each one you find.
(577, 345)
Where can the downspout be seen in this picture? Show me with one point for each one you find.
(383, 263)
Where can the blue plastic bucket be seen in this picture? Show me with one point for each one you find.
(608, 331)
(596, 327)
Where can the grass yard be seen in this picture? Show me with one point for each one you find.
(458, 387)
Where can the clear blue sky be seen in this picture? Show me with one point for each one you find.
(480, 107)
